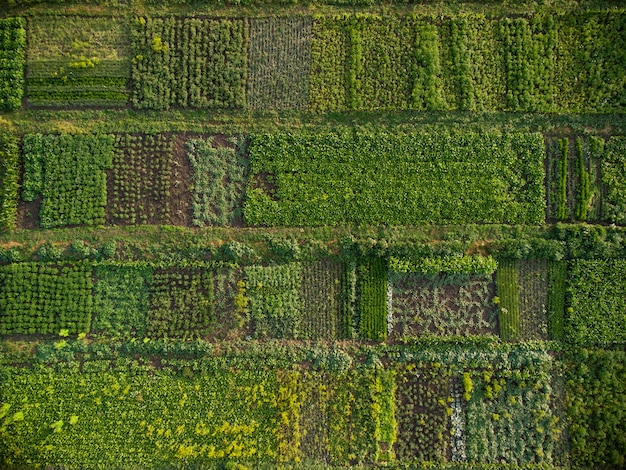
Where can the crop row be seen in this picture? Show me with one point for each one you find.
(545, 63)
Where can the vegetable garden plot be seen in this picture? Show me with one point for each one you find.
(78, 61)
(151, 417)
(12, 62)
(189, 62)
(181, 303)
(45, 298)
(218, 182)
(322, 300)
(532, 277)
(508, 417)
(121, 299)
(443, 305)
(596, 298)
(9, 178)
(279, 61)
(275, 303)
(372, 299)
(422, 413)
(140, 179)
(508, 299)
(69, 172)
(369, 179)
(613, 171)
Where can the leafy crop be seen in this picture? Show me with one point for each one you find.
(275, 303)
(45, 298)
(69, 173)
(181, 303)
(372, 299)
(596, 311)
(218, 182)
(12, 62)
(140, 180)
(9, 176)
(279, 61)
(78, 61)
(596, 392)
(188, 62)
(508, 295)
(443, 305)
(333, 179)
(613, 178)
(557, 281)
(453, 265)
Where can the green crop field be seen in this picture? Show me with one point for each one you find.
(310, 235)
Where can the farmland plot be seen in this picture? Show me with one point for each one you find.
(78, 61)
(532, 277)
(443, 305)
(189, 62)
(279, 63)
(12, 62)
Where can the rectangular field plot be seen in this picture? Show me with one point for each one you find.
(189, 62)
(532, 277)
(279, 63)
(78, 61)
(370, 179)
(443, 305)
(596, 312)
(12, 62)
(68, 173)
(42, 298)
(140, 179)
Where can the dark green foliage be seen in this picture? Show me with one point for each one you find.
(557, 279)
(218, 182)
(189, 62)
(334, 179)
(78, 61)
(596, 302)
(562, 212)
(372, 299)
(69, 173)
(121, 299)
(275, 303)
(12, 62)
(181, 303)
(614, 180)
(507, 284)
(279, 61)
(9, 176)
(596, 393)
(45, 298)
(584, 190)
(452, 265)
(140, 180)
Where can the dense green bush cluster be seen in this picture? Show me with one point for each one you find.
(189, 62)
(140, 179)
(78, 61)
(614, 180)
(69, 173)
(45, 298)
(596, 312)
(218, 183)
(9, 177)
(12, 62)
(336, 179)
(596, 392)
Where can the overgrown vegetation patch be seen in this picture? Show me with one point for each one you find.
(12, 62)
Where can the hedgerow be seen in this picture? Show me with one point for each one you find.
(68, 172)
(45, 298)
(336, 179)
(12, 62)
(188, 62)
(596, 312)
